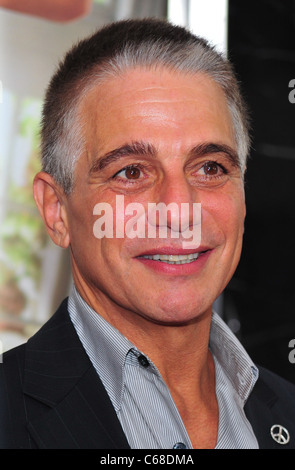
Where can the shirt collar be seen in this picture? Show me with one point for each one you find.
(107, 349)
(232, 357)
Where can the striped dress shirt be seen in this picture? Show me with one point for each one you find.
(140, 397)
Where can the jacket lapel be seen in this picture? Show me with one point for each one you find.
(264, 410)
(60, 379)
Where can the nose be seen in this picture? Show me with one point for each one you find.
(174, 200)
(175, 188)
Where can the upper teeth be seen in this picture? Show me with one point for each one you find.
(174, 259)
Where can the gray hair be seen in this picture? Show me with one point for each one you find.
(109, 52)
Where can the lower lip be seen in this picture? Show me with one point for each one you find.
(177, 269)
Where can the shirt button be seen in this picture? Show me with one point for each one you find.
(179, 445)
(143, 361)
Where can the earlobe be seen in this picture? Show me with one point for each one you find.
(49, 198)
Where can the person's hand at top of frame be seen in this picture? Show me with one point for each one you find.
(54, 10)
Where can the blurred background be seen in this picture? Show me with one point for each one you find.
(259, 38)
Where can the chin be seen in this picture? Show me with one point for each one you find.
(180, 313)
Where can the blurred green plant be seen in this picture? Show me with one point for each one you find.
(23, 238)
(29, 129)
(23, 235)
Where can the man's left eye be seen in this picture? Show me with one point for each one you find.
(211, 169)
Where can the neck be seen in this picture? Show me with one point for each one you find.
(178, 351)
(183, 359)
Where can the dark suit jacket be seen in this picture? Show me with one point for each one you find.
(52, 398)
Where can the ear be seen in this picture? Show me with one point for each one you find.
(50, 200)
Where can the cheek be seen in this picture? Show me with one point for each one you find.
(128, 218)
(81, 222)
(225, 214)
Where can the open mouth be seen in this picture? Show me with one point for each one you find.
(174, 259)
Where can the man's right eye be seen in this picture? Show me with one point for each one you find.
(129, 173)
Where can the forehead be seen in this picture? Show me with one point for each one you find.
(155, 102)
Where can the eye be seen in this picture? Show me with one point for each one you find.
(129, 173)
(133, 177)
(212, 169)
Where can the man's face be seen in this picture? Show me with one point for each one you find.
(156, 136)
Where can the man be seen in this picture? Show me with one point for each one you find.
(142, 114)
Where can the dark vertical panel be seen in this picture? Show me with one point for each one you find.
(262, 292)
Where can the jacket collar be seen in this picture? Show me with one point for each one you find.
(59, 374)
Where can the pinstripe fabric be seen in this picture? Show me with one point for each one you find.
(141, 399)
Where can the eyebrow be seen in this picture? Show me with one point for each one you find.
(204, 149)
(134, 148)
(145, 149)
